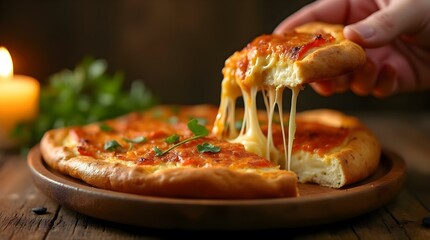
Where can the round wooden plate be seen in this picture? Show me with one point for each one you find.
(316, 205)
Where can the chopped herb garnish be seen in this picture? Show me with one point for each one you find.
(139, 139)
(112, 145)
(198, 130)
(172, 139)
(132, 141)
(207, 147)
(105, 128)
(158, 152)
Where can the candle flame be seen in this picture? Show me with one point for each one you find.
(6, 65)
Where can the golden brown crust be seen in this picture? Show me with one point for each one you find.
(182, 182)
(312, 52)
(332, 60)
(359, 156)
(336, 30)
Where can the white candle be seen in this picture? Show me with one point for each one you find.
(19, 99)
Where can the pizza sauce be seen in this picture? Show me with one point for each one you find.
(135, 136)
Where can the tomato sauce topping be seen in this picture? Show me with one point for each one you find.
(291, 45)
(287, 48)
(155, 130)
(310, 136)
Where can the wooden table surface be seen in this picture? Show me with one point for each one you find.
(402, 218)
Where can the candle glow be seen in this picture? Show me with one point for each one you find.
(6, 64)
(19, 99)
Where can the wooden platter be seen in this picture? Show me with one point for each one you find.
(316, 205)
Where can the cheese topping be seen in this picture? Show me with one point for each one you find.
(267, 64)
(249, 73)
(155, 127)
(250, 134)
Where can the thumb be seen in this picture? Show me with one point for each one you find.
(384, 25)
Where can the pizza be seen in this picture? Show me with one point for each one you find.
(123, 154)
(331, 148)
(227, 152)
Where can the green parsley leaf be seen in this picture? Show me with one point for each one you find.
(196, 128)
(172, 139)
(207, 147)
(112, 145)
(105, 128)
(139, 139)
(158, 152)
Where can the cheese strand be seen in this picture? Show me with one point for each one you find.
(292, 124)
(279, 102)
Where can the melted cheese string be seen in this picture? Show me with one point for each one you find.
(292, 125)
(250, 134)
(252, 138)
(270, 107)
(279, 101)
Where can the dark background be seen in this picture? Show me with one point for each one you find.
(177, 47)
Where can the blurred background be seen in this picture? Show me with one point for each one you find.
(177, 48)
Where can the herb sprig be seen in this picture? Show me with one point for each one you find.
(112, 145)
(198, 130)
(207, 147)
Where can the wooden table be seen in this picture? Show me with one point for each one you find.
(402, 218)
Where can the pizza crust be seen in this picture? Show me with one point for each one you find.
(181, 182)
(356, 159)
(329, 61)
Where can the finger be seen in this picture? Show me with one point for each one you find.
(386, 24)
(316, 11)
(324, 88)
(403, 65)
(328, 87)
(342, 84)
(383, 66)
(386, 84)
(363, 79)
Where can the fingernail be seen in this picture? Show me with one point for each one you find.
(364, 31)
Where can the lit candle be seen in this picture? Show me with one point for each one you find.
(19, 99)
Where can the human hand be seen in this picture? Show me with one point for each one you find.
(394, 33)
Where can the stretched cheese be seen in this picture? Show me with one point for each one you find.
(271, 63)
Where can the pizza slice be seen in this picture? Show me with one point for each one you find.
(271, 63)
(330, 148)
